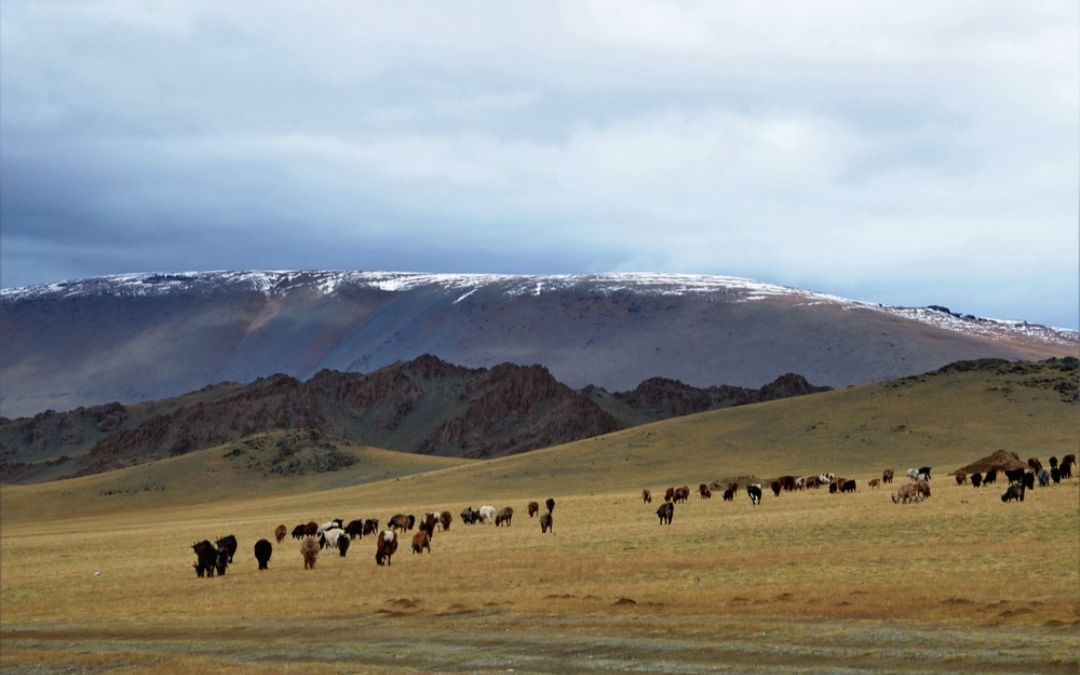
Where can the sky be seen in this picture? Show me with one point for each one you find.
(909, 153)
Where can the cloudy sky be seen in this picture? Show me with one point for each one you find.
(902, 152)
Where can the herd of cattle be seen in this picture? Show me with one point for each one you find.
(216, 557)
(1020, 480)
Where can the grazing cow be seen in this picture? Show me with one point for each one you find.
(905, 494)
(1055, 475)
(1044, 478)
(420, 541)
(329, 538)
(428, 524)
(470, 516)
(787, 483)
(545, 524)
(534, 508)
(355, 528)
(335, 523)
(1067, 463)
(206, 558)
(990, 478)
(833, 488)
(311, 529)
(754, 492)
(412, 521)
(263, 550)
(887, 476)
(729, 495)
(669, 494)
(923, 488)
(666, 512)
(343, 545)
(646, 497)
(913, 473)
(386, 546)
(1053, 461)
(848, 486)
(550, 504)
(1015, 475)
(299, 531)
(874, 483)
(704, 492)
(398, 522)
(976, 479)
(487, 514)
(812, 482)
(445, 519)
(1029, 480)
(800, 483)
(840, 483)
(505, 515)
(222, 562)
(229, 544)
(1014, 493)
(1034, 464)
(280, 532)
(924, 473)
(776, 487)
(961, 477)
(309, 549)
(682, 494)
(371, 526)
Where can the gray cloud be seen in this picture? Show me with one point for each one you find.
(908, 155)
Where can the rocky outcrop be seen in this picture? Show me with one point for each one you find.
(425, 405)
(663, 397)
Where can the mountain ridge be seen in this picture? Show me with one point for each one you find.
(424, 406)
(151, 336)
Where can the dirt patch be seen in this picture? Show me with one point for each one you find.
(1001, 460)
(407, 603)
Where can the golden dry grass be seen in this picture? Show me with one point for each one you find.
(806, 565)
(808, 581)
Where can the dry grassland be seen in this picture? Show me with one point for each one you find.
(805, 581)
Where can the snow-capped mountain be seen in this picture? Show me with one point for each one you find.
(139, 336)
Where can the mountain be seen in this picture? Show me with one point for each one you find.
(425, 406)
(140, 337)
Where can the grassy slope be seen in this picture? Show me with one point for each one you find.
(205, 476)
(944, 420)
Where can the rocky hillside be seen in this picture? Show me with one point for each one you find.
(425, 406)
(142, 337)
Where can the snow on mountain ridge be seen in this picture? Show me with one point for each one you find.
(737, 289)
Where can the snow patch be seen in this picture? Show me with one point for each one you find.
(327, 283)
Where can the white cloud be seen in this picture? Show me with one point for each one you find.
(838, 144)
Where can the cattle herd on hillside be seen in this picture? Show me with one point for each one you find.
(335, 535)
(1020, 480)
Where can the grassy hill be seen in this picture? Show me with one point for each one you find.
(945, 419)
(264, 465)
